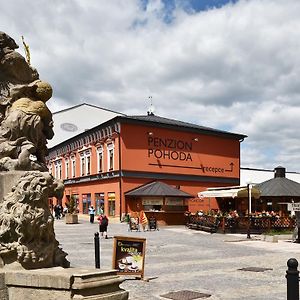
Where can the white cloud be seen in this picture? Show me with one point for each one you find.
(234, 68)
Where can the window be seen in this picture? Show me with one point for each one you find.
(111, 203)
(73, 162)
(82, 164)
(57, 169)
(85, 163)
(99, 201)
(110, 157)
(50, 169)
(67, 163)
(87, 155)
(100, 160)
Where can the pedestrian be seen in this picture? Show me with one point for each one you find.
(57, 211)
(103, 223)
(92, 214)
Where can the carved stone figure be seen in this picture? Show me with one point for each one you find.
(25, 129)
(27, 235)
(26, 223)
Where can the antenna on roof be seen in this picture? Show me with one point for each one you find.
(150, 111)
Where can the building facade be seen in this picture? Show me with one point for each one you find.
(100, 165)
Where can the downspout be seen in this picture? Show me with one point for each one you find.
(120, 172)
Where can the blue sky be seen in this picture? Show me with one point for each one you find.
(196, 5)
(229, 65)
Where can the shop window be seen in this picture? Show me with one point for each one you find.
(110, 157)
(152, 204)
(86, 203)
(100, 159)
(111, 204)
(99, 199)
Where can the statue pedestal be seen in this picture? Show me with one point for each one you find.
(58, 283)
(7, 181)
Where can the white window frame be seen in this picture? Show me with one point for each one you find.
(67, 168)
(88, 163)
(100, 153)
(57, 169)
(110, 147)
(85, 167)
(82, 164)
(50, 169)
(73, 166)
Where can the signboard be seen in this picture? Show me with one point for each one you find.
(152, 201)
(174, 201)
(294, 206)
(129, 255)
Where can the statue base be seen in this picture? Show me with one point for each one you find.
(58, 283)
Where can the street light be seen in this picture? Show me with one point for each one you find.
(249, 197)
(249, 188)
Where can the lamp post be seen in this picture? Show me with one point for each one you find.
(249, 189)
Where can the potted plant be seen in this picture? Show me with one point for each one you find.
(71, 215)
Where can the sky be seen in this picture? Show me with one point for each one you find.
(229, 65)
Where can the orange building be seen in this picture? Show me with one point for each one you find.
(100, 165)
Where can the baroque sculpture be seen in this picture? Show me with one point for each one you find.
(26, 223)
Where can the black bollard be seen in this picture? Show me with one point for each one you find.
(292, 277)
(248, 229)
(97, 250)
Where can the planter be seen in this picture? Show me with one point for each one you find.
(71, 219)
(269, 238)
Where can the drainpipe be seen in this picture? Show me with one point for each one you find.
(120, 172)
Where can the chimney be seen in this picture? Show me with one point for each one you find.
(279, 172)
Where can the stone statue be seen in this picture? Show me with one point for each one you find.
(25, 129)
(26, 223)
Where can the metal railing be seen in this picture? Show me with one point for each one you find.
(239, 224)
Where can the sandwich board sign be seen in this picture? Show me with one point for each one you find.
(294, 206)
(129, 255)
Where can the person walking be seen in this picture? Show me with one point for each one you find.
(103, 224)
(57, 211)
(92, 214)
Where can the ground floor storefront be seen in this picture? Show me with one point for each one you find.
(110, 194)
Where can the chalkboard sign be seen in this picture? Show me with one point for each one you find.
(129, 255)
(152, 223)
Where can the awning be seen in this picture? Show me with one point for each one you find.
(230, 192)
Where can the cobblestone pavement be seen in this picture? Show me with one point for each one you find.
(180, 259)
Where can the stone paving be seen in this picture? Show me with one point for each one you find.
(180, 259)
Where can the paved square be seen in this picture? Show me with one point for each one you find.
(179, 259)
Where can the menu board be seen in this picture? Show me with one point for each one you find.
(129, 255)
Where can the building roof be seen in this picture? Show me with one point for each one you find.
(77, 119)
(179, 125)
(157, 188)
(279, 186)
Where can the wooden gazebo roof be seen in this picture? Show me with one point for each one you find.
(279, 186)
(157, 188)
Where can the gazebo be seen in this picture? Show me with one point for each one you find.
(277, 192)
(157, 199)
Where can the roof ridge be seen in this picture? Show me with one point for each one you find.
(88, 104)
